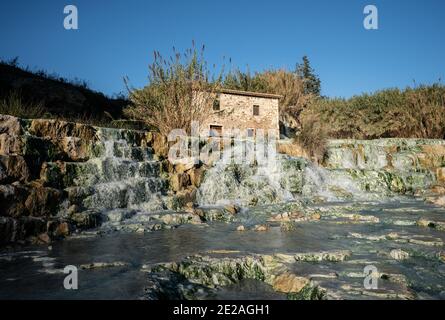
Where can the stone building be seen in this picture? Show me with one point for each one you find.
(244, 110)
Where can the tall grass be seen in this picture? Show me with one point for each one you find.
(14, 105)
(180, 91)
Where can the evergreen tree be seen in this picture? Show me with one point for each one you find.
(312, 84)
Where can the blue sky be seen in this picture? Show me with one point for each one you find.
(117, 38)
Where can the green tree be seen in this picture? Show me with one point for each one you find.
(311, 82)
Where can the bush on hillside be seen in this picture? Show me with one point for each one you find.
(411, 113)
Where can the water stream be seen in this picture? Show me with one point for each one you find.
(37, 272)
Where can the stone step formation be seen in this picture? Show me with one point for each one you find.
(52, 171)
(60, 175)
(120, 176)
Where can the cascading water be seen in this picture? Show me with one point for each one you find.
(244, 182)
(124, 175)
(280, 179)
(331, 184)
(361, 171)
(121, 175)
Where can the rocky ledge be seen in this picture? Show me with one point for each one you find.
(198, 277)
(43, 168)
(285, 274)
(58, 177)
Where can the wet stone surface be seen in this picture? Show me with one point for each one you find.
(202, 254)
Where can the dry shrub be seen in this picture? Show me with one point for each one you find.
(312, 137)
(293, 149)
(245, 81)
(411, 113)
(14, 105)
(283, 82)
(174, 96)
(291, 87)
(426, 105)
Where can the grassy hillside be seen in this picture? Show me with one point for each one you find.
(34, 94)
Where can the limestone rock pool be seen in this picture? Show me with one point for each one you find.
(214, 260)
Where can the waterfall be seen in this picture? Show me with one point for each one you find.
(121, 174)
(245, 182)
(283, 179)
(330, 184)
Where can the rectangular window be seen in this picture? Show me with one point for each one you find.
(216, 105)
(256, 110)
(215, 131)
(250, 133)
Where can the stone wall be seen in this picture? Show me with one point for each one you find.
(236, 112)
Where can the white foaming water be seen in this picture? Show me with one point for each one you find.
(231, 180)
(123, 175)
(330, 184)
(280, 179)
(350, 154)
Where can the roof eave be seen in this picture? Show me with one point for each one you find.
(251, 93)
